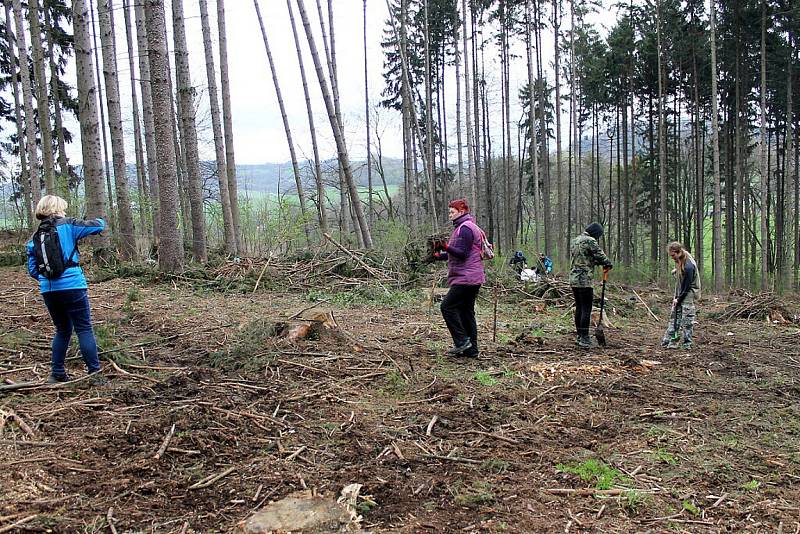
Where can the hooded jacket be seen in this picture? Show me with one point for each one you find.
(586, 254)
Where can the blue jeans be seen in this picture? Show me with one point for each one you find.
(69, 310)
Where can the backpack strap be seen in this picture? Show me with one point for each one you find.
(70, 262)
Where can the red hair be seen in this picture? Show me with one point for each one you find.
(459, 204)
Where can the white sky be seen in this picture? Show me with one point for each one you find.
(258, 129)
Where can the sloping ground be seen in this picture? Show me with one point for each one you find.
(707, 441)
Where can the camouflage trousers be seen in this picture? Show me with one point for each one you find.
(684, 316)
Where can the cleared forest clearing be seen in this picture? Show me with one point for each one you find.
(633, 438)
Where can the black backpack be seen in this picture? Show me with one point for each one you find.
(48, 253)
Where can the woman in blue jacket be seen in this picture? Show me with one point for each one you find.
(66, 295)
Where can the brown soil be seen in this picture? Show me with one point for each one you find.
(702, 441)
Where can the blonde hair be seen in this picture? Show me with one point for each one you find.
(51, 205)
(682, 256)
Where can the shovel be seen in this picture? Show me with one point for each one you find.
(599, 332)
(676, 334)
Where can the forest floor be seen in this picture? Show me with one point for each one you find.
(650, 440)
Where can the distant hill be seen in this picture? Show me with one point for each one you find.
(265, 177)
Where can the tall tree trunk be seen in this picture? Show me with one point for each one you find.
(717, 213)
(371, 208)
(345, 198)
(429, 110)
(763, 147)
(468, 103)
(459, 135)
(476, 99)
(89, 123)
(415, 123)
(98, 67)
(219, 145)
(510, 227)
(534, 149)
(321, 200)
(738, 263)
(126, 237)
(409, 196)
(341, 146)
(42, 100)
(170, 248)
(141, 177)
(662, 149)
(24, 177)
(227, 122)
(63, 165)
(547, 213)
(699, 215)
(188, 129)
(27, 104)
(561, 224)
(295, 167)
(573, 127)
(148, 117)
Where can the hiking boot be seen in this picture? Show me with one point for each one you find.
(672, 345)
(58, 379)
(585, 342)
(97, 379)
(471, 352)
(458, 350)
(686, 346)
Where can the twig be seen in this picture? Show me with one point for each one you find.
(488, 434)
(260, 275)
(132, 375)
(545, 392)
(9, 528)
(583, 491)
(439, 396)
(165, 444)
(453, 458)
(206, 482)
(494, 322)
(653, 315)
(296, 453)
(429, 430)
(28, 443)
(110, 520)
(11, 414)
(298, 314)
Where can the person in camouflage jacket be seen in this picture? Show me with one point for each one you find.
(586, 254)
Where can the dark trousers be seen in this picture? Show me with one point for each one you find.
(458, 310)
(583, 309)
(69, 310)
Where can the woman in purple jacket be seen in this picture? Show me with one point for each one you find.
(465, 276)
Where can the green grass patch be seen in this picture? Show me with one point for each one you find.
(495, 466)
(369, 296)
(474, 495)
(247, 350)
(663, 456)
(752, 485)
(690, 507)
(485, 379)
(395, 383)
(595, 472)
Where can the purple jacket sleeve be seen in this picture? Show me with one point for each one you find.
(462, 243)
